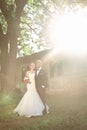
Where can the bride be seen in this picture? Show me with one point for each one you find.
(31, 103)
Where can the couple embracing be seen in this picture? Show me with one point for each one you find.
(33, 103)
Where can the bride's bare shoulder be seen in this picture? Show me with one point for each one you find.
(31, 72)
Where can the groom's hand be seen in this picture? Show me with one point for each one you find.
(43, 86)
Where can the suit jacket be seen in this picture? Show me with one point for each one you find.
(41, 79)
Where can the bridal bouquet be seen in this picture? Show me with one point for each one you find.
(26, 80)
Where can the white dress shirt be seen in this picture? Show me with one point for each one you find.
(38, 70)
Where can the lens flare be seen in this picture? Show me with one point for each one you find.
(68, 32)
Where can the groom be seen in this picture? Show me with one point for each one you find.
(41, 83)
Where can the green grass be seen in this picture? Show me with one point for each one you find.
(67, 112)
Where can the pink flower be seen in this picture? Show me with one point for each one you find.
(26, 80)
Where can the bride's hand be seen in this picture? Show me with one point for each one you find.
(27, 80)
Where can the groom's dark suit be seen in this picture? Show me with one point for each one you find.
(41, 81)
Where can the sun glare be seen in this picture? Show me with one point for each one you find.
(68, 32)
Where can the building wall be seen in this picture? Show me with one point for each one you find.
(63, 71)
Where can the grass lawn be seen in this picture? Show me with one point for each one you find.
(68, 111)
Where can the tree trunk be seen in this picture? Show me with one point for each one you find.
(4, 55)
(8, 68)
(11, 66)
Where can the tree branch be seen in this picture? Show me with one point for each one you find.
(19, 6)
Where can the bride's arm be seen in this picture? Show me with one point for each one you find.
(26, 78)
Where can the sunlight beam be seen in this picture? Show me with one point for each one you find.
(68, 32)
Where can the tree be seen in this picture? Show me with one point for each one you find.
(11, 11)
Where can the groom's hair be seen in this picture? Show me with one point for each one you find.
(39, 61)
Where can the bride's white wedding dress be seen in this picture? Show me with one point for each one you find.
(31, 103)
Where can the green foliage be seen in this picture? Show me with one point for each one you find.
(3, 23)
(33, 18)
(10, 2)
(11, 7)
